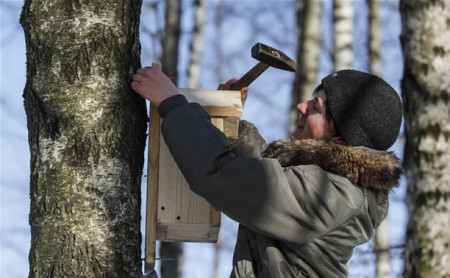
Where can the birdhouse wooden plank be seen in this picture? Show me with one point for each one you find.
(174, 213)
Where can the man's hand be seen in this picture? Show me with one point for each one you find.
(227, 86)
(152, 84)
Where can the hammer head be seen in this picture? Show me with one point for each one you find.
(272, 57)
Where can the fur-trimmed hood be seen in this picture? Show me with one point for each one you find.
(366, 168)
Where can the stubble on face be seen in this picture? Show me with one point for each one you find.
(313, 123)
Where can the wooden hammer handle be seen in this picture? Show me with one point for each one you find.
(250, 76)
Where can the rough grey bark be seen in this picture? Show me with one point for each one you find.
(86, 137)
(343, 34)
(308, 50)
(426, 95)
(171, 253)
(375, 46)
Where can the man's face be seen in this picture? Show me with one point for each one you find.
(313, 122)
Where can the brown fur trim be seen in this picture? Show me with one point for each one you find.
(374, 171)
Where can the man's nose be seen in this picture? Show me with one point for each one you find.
(303, 108)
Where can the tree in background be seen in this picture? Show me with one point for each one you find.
(86, 137)
(308, 51)
(426, 94)
(343, 34)
(375, 46)
(171, 253)
(196, 44)
(171, 40)
(375, 43)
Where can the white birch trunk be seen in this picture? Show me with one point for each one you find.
(308, 21)
(343, 34)
(383, 266)
(87, 137)
(426, 94)
(197, 44)
(375, 37)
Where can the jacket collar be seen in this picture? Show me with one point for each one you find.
(365, 168)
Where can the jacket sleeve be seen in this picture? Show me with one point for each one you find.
(291, 204)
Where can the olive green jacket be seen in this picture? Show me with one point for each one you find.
(302, 207)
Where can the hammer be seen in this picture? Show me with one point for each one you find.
(267, 57)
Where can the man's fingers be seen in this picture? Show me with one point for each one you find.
(140, 71)
(137, 77)
(229, 83)
(136, 86)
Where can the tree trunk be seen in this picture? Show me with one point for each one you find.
(86, 136)
(426, 94)
(375, 37)
(171, 40)
(197, 44)
(343, 37)
(225, 225)
(171, 253)
(383, 266)
(308, 51)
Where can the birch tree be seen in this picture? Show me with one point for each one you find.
(343, 37)
(375, 37)
(196, 44)
(86, 137)
(171, 252)
(375, 45)
(308, 51)
(426, 94)
(171, 40)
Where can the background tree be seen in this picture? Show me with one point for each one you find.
(343, 34)
(308, 51)
(86, 137)
(172, 32)
(171, 253)
(196, 44)
(375, 43)
(426, 94)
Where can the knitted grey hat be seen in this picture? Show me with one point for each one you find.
(366, 110)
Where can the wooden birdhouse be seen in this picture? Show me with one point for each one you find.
(174, 213)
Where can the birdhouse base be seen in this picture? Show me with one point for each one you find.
(187, 232)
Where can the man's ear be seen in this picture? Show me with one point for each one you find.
(339, 140)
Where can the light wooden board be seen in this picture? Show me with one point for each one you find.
(215, 99)
(174, 212)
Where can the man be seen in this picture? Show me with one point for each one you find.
(308, 201)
